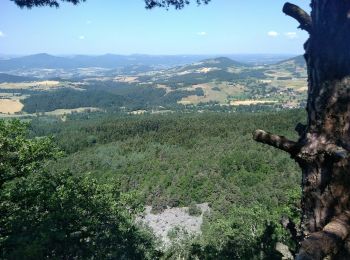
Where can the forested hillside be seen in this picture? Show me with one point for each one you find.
(181, 159)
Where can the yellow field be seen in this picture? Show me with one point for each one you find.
(40, 85)
(60, 112)
(210, 94)
(297, 84)
(250, 102)
(126, 79)
(9, 106)
(193, 99)
(205, 70)
(48, 83)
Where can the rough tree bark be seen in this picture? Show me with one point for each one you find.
(323, 148)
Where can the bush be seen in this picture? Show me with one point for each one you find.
(60, 215)
(194, 210)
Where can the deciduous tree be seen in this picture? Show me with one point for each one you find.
(60, 215)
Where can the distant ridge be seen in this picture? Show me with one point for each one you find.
(225, 62)
(41, 60)
(7, 78)
(298, 60)
(220, 63)
(110, 61)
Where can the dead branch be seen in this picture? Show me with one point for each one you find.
(300, 15)
(277, 141)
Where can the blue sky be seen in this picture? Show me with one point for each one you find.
(126, 27)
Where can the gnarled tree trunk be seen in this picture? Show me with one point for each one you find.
(323, 148)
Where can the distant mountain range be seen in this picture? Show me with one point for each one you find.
(46, 61)
(128, 65)
(112, 61)
(224, 63)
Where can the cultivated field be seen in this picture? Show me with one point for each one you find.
(213, 92)
(299, 85)
(126, 79)
(60, 112)
(251, 102)
(10, 106)
(38, 85)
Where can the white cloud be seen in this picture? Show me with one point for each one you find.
(272, 34)
(2, 34)
(291, 35)
(202, 33)
(81, 37)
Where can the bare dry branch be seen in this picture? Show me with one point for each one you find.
(277, 141)
(300, 15)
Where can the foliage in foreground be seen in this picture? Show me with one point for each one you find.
(60, 215)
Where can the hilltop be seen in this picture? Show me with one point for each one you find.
(298, 61)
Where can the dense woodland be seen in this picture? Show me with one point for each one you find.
(112, 165)
(105, 95)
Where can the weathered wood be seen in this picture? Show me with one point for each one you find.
(325, 180)
(324, 143)
(300, 15)
(277, 141)
(327, 242)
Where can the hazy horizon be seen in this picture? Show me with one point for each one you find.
(124, 28)
(147, 54)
